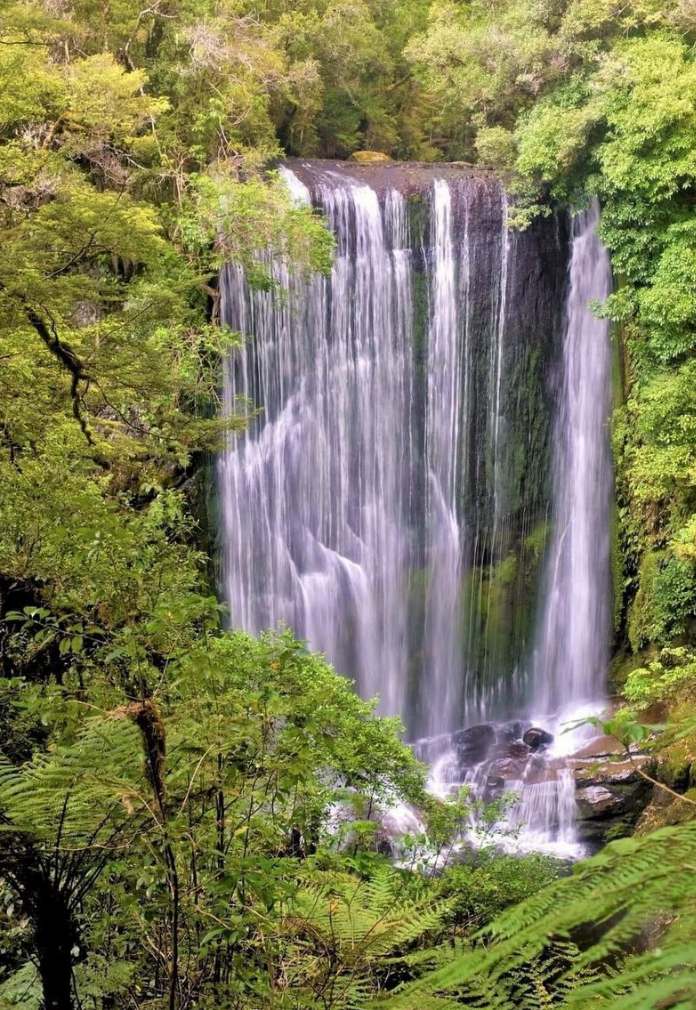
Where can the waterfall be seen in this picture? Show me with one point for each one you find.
(443, 417)
(422, 492)
(315, 496)
(383, 499)
(572, 647)
(572, 641)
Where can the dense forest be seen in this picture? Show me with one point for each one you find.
(166, 783)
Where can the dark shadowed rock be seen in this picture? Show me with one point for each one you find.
(510, 731)
(518, 750)
(473, 744)
(611, 795)
(494, 787)
(384, 845)
(537, 738)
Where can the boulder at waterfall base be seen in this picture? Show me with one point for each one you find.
(473, 744)
(596, 801)
(537, 738)
(611, 796)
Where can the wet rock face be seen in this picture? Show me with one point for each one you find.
(537, 738)
(611, 795)
(596, 801)
(493, 757)
(508, 768)
(486, 757)
(473, 744)
(518, 750)
(498, 745)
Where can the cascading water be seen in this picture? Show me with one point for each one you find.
(442, 644)
(572, 648)
(572, 640)
(390, 500)
(315, 498)
(572, 644)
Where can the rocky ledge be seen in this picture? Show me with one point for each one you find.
(611, 793)
(611, 790)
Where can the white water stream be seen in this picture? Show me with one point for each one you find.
(572, 644)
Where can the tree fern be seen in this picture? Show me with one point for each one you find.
(63, 815)
(71, 797)
(605, 905)
(348, 936)
(377, 916)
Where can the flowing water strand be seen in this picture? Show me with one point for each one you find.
(572, 645)
(543, 819)
(496, 379)
(444, 411)
(573, 640)
(470, 702)
(497, 358)
(314, 495)
(297, 189)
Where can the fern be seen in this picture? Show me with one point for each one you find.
(22, 989)
(347, 936)
(71, 797)
(630, 885)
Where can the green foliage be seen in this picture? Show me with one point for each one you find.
(479, 890)
(582, 98)
(59, 799)
(247, 222)
(665, 601)
(264, 739)
(343, 938)
(666, 679)
(527, 960)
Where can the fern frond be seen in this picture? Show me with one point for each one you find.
(22, 989)
(630, 884)
(66, 798)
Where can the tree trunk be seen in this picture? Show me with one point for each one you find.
(55, 937)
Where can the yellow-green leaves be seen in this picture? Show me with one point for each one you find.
(648, 90)
(105, 104)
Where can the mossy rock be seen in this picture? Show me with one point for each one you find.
(535, 541)
(677, 765)
(369, 157)
(666, 810)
